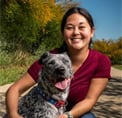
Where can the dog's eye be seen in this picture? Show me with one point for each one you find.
(65, 61)
(51, 63)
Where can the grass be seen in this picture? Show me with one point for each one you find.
(10, 70)
(11, 74)
(118, 67)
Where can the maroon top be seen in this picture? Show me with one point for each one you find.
(97, 65)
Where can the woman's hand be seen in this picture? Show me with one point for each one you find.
(62, 116)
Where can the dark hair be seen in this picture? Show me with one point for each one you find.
(71, 11)
(78, 10)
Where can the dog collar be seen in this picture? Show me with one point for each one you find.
(57, 103)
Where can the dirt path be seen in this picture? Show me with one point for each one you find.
(109, 104)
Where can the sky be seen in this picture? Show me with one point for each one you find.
(107, 15)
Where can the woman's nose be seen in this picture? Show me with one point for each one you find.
(76, 30)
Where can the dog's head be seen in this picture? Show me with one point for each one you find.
(57, 68)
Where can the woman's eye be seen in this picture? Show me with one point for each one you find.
(81, 27)
(69, 28)
(72, 28)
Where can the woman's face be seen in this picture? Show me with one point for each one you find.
(77, 32)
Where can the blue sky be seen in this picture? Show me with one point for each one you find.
(107, 15)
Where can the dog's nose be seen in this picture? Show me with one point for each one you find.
(60, 70)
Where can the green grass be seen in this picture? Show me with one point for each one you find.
(118, 67)
(10, 70)
(11, 73)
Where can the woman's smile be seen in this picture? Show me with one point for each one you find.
(76, 40)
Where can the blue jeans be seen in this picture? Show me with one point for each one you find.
(88, 115)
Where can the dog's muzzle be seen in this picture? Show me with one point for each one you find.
(62, 85)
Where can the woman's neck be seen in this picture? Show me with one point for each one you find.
(78, 58)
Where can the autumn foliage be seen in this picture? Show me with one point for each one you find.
(112, 48)
(23, 23)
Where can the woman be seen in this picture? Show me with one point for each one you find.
(91, 68)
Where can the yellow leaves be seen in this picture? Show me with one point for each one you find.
(111, 48)
(58, 12)
(41, 11)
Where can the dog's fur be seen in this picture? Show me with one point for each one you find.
(56, 67)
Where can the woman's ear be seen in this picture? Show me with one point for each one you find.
(92, 31)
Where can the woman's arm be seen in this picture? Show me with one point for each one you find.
(96, 88)
(13, 93)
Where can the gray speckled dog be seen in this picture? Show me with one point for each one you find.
(47, 99)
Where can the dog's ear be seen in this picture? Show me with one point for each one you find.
(65, 53)
(43, 58)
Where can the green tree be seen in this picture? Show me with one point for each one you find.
(26, 23)
(19, 28)
(21, 22)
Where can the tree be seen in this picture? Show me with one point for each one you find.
(111, 48)
(26, 23)
(21, 21)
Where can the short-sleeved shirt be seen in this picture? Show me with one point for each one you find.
(97, 65)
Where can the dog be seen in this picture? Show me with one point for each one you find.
(48, 98)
